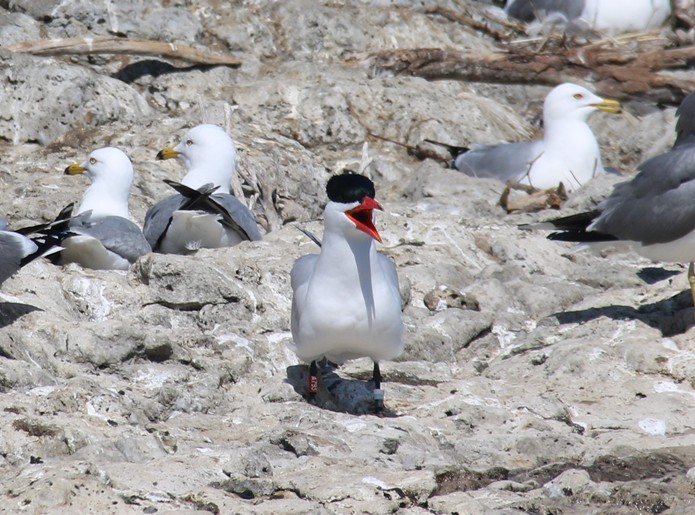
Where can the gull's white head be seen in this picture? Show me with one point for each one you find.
(570, 102)
(350, 210)
(209, 155)
(111, 174)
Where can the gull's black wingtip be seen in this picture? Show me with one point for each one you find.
(453, 150)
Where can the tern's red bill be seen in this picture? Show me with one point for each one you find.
(362, 217)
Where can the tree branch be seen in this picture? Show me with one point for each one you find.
(619, 73)
(114, 45)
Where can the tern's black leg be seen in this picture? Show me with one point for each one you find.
(313, 386)
(691, 279)
(378, 392)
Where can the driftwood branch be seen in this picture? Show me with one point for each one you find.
(620, 73)
(533, 200)
(480, 25)
(114, 45)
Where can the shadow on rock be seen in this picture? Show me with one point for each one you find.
(11, 311)
(154, 68)
(336, 393)
(655, 274)
(671, 316)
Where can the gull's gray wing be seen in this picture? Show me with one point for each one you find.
(685, 126)
(158, 218)
(528, 10)
(504, 162)
(239, 214)
(233, 213)
(657, 205)
(14, 248)
(117, 234)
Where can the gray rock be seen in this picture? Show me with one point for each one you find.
(45, 98)
(569, 483)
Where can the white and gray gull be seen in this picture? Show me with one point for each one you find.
(203, 214)
(568, 152)
(102, 236)
(652, 214)
(346, 302)
(607, 16)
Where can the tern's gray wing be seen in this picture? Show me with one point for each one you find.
(117, 234)
(504, 162)
(301, 273)
(239, 214)
(657, 205)
(528, 10)
(14, 248)
(391, 274)
(158, 218)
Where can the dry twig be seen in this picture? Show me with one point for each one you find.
(534, 200)
(114, 45)
(465, 19)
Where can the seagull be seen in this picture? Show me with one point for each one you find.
(607, 16)
(103, 238)
(653, 214)
(18, 249)
(176, 225)
(346, 302)
(568, 152)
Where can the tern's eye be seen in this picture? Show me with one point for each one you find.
(92, 161)
(189, 142)
(578, 96)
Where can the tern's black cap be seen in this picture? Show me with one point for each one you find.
(349, 187)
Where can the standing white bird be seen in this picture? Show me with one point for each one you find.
(346, 302)
(103, 237)
(204, 214)
(568, 152)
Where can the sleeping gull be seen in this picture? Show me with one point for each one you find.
(104, 238)
(654, 213)
(346, 302)
(568, 152)
(607, 16)
(181, 224)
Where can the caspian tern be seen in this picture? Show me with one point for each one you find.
(346, 302)
(181, 224)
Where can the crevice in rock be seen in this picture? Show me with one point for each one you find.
(612, 469)
(464, 479)
(479, 336)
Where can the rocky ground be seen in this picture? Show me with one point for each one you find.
(534, 379)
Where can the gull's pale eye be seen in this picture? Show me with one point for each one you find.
(578, 96)
(92, 161)
(189, 142)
